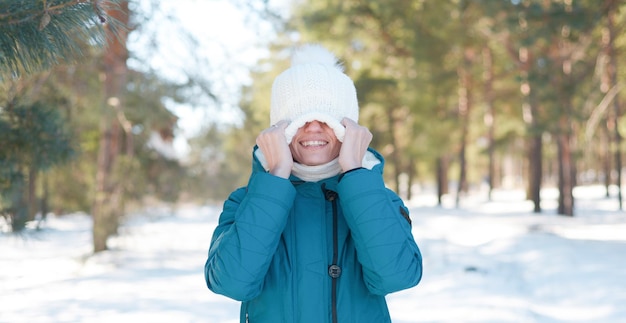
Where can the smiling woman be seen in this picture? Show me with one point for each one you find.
(315, 236)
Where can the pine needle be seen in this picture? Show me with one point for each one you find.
(37, 34)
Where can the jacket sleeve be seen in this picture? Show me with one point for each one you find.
(247, 236)
(381, 230)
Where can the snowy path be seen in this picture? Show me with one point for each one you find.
(485, 262)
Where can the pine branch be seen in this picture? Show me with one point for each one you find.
(37, 34)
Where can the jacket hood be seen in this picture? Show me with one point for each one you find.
(372, 160)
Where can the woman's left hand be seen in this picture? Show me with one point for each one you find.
(354, 145)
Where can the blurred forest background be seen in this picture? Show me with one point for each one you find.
(460, 95)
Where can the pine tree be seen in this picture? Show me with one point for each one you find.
(36, 34)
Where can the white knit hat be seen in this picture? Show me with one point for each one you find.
(313, 88)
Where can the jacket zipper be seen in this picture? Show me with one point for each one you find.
(334, 271)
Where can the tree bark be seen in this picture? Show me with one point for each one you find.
(535, 157)
(395, 157)
(442, 178)
(566, 173)
(529, 113)
(489, 117)
(465, 105)
(612, 71)
(566, 165)
(411, 176)
(32, 193)
(107, 206)
(606, 158)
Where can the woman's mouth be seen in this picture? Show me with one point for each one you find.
(314, 143)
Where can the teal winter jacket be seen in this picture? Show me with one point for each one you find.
(327, 251)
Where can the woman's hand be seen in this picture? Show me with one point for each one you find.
(354, 145)
(273, 144)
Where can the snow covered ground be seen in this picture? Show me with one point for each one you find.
(484, 262)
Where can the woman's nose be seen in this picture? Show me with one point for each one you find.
(313, 126)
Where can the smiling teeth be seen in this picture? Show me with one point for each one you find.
(313, 143)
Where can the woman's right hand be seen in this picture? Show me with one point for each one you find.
(273, 144)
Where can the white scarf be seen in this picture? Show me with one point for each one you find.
(319, 172)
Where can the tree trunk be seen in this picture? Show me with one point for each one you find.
(566, 198)
(107, 206)
(462, 184)
(535, 157)
(442, 178)
(606, 158)
(31, 199)
(44, 200)
(465, 105)
(411, 176)
(529, 113)
(566, 182)
(19, 212)
(564, 131)
(489, 117)
(395, 157)
(612, 71)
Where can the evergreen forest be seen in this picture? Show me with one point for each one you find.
(461, 96)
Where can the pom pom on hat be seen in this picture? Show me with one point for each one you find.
(313, 88)
(312, 53)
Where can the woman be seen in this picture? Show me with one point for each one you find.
(315, 236)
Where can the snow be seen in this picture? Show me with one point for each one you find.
(486, 261)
